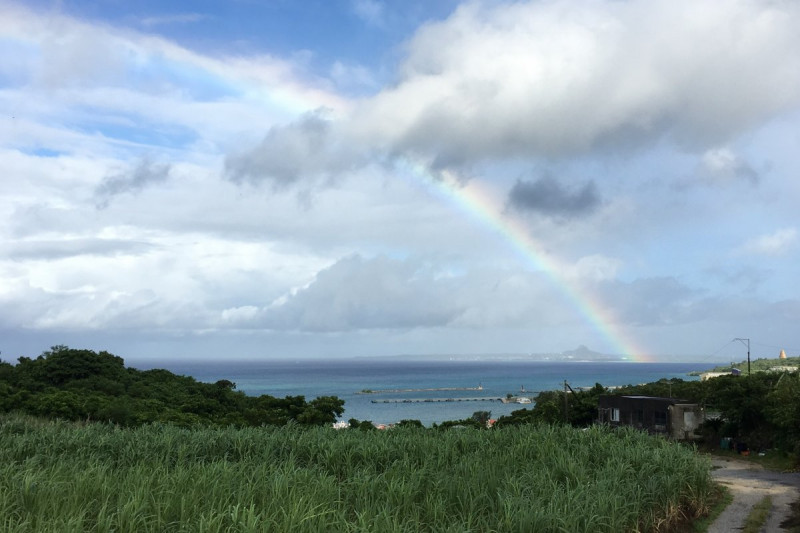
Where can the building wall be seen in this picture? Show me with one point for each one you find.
(665, 416)
(684, 420)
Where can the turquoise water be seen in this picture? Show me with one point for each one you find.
(345, 378)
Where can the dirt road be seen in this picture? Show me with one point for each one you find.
(749, 483)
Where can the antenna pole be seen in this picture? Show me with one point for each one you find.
(746, 342)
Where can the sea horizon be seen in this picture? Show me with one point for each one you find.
(483, 381)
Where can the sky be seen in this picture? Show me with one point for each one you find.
(333, 178)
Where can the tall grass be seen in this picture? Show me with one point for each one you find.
(65, 477)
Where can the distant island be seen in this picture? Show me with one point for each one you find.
(582, 353)
(579, 354)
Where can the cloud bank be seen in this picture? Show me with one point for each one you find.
(642, 153)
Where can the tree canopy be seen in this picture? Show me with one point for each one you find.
(85, 385)
(762, 409)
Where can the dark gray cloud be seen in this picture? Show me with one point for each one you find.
(144, 173)
(304, 149)
(549, 197)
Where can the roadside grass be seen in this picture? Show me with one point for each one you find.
(758, 516)
(719, 499)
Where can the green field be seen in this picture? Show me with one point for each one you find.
(60, 477)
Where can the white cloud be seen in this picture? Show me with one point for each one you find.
(533, 80)
(381, 293)
(236, 315)
(560, 78)
(772, 244)
(594, 268)
(378, 293)
(91, 89)
(722, 164)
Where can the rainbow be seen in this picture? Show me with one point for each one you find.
(480, 204)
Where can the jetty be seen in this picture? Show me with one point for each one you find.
(436, 389)
(438, 400)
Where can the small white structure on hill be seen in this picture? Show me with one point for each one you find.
(708, 375)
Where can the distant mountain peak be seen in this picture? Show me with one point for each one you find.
(581, 351)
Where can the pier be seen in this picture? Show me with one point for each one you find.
(438, 400)
(437, 389)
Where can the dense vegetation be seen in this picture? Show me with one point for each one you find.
(550, 407)
(84, 385)
(758, 365)
(762, 409)
(59, 476)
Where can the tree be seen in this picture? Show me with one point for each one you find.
(406, 423)
(62, 364)
(783, 411)
(322, 411)
(482, 418)
(226, 384)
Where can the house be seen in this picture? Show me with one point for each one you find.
(671, 417)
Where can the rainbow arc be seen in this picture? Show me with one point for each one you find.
(480, 204)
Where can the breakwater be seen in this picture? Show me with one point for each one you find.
(434, 389)
(438, 400)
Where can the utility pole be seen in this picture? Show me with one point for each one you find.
(746, 342)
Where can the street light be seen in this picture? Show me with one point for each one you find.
(747, 341)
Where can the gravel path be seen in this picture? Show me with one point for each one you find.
(749, 483)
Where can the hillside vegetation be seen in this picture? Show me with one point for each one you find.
(762, 409)
(759, 365)
(59, 476)
(84, 385)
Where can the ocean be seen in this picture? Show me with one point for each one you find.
(348, 378)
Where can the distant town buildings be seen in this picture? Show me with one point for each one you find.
(783, 368)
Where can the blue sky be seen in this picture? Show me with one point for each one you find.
(289, 179)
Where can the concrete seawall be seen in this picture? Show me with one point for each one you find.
(435, 389)
(437, 400)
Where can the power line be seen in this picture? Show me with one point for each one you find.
(719, 350)
(790, 349)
